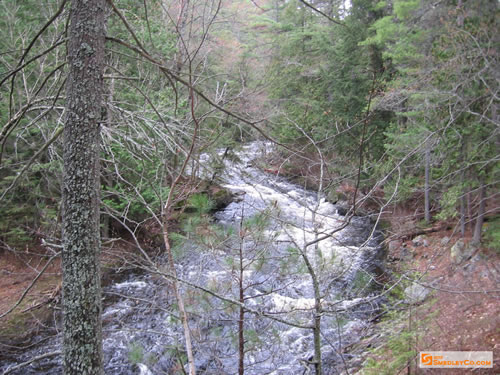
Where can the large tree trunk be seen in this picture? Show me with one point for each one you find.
(82, 345)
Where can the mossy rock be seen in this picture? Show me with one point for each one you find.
(222, 198)
(333, 197)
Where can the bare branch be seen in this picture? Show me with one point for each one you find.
(323, 14)
(32, 284)
(34, 359)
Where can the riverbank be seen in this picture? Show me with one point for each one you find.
(435, 322)
(456, 306)
(445, 291)
(30, 282)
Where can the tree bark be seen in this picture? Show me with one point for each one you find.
(462, 211)
(241, 320)
(82, 332)
(463, 202)
(427, 198)
(480, 213)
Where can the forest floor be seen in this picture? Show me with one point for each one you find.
(39, 308)
(462, 312)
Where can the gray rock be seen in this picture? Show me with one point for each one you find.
(445, 240)
(406, 253)
(393, 246)
(416, 293)
(473, 246)
(461, 252)
(420, 241)
(485, 274)
(342, 209)
(457, 251)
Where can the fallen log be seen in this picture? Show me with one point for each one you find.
(409, 235)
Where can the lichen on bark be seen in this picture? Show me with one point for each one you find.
(82, 333)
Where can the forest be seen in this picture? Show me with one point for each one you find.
(248, 186)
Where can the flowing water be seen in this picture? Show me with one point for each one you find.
(141, 327)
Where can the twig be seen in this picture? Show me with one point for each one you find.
(323, 14)
(35, 38)
(30, 286)
(34, 359)
(33, 158)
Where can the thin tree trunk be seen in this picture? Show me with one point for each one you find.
(469, 210)
(460, 14)
(480, 213)
(462, 212)
(82, 332)
(180, 300)
(408, 369)
(427, 204)
(463, 203)
(166, 211)
(105, 181)
(241, 334)
(241, 321)
(318, 312)
(181, 46)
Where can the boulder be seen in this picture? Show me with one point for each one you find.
(393, 246)
(222, 198)
(406, 253)
(416, 293)
(420, 241)
(332, 197)
(460, 251)
(445, 240)
(342, 210)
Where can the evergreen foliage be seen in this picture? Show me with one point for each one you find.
(402, 85)
(399, 96)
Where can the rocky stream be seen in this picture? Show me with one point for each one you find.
(141, 329)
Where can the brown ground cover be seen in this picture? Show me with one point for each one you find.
(466, 308)
(462, 313)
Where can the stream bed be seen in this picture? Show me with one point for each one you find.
(265, 258)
